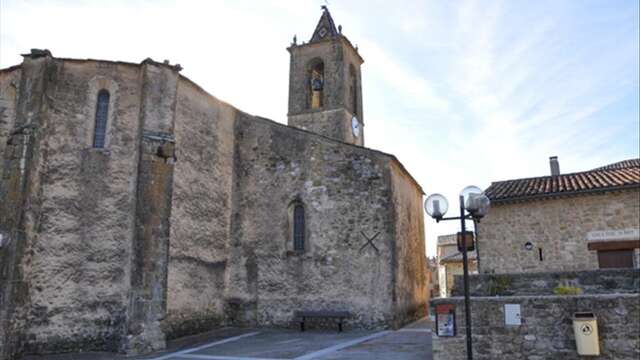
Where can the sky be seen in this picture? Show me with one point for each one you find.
(462, 92)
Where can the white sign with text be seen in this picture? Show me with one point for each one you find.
(605, 235)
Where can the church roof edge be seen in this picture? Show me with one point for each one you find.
(340, 37)
(11, 68)
(176, 67)
(391, 156)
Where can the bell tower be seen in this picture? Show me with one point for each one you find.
(325, 86)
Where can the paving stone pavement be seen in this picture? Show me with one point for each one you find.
(409, 343)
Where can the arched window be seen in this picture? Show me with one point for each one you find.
(316, 83)
(102, 111)
(353, 89)
(298, 227)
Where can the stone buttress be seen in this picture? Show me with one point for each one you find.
(148, 294)
(19, 189)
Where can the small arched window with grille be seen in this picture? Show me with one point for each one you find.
(298, 227)
(102, 112)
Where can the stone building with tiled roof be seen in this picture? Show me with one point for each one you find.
(577, 221)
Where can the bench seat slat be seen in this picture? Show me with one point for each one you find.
(303, 315)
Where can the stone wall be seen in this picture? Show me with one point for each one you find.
(182, 221)
(19, 208)
(546, 331)
(81, 206)
(561, 234)
(605, 281)
(9, 88)
(335, 124)
(346, 196)
(154, 188)
(336, 55)
(201, 213)
(333, 119)
(411, 284)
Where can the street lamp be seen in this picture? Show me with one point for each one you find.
(474, 204)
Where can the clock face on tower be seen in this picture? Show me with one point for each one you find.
(355, 126)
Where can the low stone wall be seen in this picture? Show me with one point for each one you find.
(606, 281)
(546, 331)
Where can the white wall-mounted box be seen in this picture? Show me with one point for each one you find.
(512, 314)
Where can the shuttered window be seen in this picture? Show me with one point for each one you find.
(608, 259)
(102, 111)
(298, 228)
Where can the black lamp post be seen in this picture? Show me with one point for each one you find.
(476, 203)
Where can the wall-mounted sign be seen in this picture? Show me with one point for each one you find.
(512, 314)
(623, 234)
(446, 320)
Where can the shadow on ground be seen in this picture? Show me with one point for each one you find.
(409, 343)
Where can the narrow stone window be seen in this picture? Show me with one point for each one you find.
(102, 111)
(298, 227)
(316, 83)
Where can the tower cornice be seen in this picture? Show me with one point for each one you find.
(341, 38)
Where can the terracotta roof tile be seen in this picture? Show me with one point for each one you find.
(622, 174)
(621, 164)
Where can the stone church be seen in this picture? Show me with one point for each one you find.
(136, 207)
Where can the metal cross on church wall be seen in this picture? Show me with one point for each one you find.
(369, 242)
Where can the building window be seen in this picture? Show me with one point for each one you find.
(102, 111)
(316, 83)
(615, 259)
(616, 254)
(298, 227)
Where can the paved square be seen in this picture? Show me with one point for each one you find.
(413, 342)
(410, 343)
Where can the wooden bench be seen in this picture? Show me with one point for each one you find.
(340, 315)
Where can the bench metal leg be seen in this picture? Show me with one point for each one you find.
(302, 325)
(340, 325)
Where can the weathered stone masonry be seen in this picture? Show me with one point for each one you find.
(275, 167)
(546, 331)
(181, 223)
(19, 183)
(148, 298)
(557, 226)
(68, 289)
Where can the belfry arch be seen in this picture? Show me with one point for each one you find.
(316, 83)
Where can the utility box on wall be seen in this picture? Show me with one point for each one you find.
(585, 329)
(512, 314)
